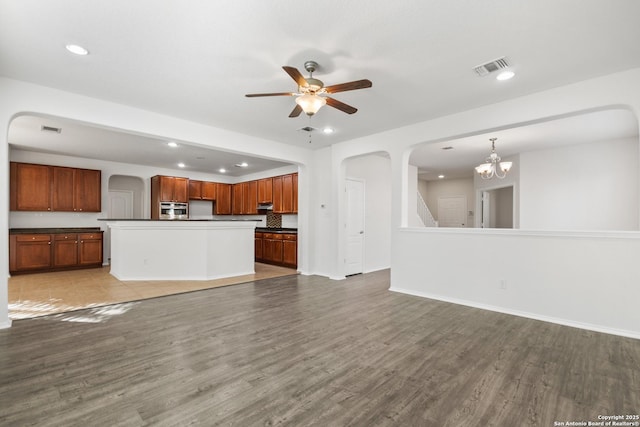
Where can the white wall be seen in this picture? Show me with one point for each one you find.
(375, 170)
(581, 279)
(581, 187)
(432, 190)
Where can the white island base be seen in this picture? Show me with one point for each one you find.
(181, 250)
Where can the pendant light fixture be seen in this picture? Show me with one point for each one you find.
(493, 166)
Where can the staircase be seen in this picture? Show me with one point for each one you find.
(424, 213)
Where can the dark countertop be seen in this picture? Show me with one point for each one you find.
(54, 230)
(174, 220)
(277, 230)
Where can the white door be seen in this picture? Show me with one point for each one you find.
(355, 227)
(120, 204)
(452, 211)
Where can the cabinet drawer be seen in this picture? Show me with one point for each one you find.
(65, 237)
(259, 235)
(90, 236)
(273, 236)
(290, 237)
(33, 238)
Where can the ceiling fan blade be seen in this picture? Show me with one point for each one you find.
(341, 105)
(296, 111)
(253, 95)
(295, 75)
(342, 87)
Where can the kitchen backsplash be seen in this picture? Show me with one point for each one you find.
(274, 220)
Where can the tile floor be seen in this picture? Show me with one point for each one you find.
(33, 295)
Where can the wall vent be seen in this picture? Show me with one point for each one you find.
(490, 67)
(50, 129)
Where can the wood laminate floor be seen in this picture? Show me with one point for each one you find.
(308, 351)
(41, 294)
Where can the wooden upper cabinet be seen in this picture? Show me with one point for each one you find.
(295, 193)
(88, 194)
(208, 190)
(195, 190)
(202, 190)
(222, 205)
(237, 198)
(265, 190)
(54, 188)
(285, 194)
(250, 198)
(62, 188)
(30, 187)
(277, 194)
(170, 188)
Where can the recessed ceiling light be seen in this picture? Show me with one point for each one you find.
(505, 75)
(181, 165)
(242, 165)
(222, 170)
(78, 50)
(172, 144)
(327, 130)
(440, 176)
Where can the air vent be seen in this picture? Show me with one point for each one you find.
(308, 129)
(50, 129)
(447, 148)
(490, 67)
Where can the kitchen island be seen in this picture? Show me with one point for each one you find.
(181, 250)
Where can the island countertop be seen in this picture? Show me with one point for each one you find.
(181, 249)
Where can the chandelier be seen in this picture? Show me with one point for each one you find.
(493, 166)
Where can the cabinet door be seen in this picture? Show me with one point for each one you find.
(166, 189)
(30, 187)
(265, 190)
(277, 194)
(208, 190)
(295, 193)
(223, 199)
(250, 203)
(32, 252)
(88, 193)
(90, 248)
(65, 250)
(62, 188)
(287, 194)
(181, 190)
(290, 253)
(237, 198)
(258, 246)
(195, 190)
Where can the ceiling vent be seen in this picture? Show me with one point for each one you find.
(308, 129)
(50, 129)
(490, 67)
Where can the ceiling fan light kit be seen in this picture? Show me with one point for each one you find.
(311, 92)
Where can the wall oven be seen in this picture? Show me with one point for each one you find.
(174, 210)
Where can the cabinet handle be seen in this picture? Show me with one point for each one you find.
(48, 243)
(48, 209)
(81, 241)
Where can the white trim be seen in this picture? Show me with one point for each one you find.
(556, 320)
(5, 325)
(516, 233)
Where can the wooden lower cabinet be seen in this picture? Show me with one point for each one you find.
(277, 248)
(37, 252)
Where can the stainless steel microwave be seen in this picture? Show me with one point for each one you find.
(174, 210)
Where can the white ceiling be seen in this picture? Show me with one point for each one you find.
(196, 60)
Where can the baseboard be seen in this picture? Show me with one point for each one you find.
(5, 325)
(556, 320)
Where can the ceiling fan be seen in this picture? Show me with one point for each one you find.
(310, 95)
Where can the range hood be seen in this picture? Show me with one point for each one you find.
(265, 206)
